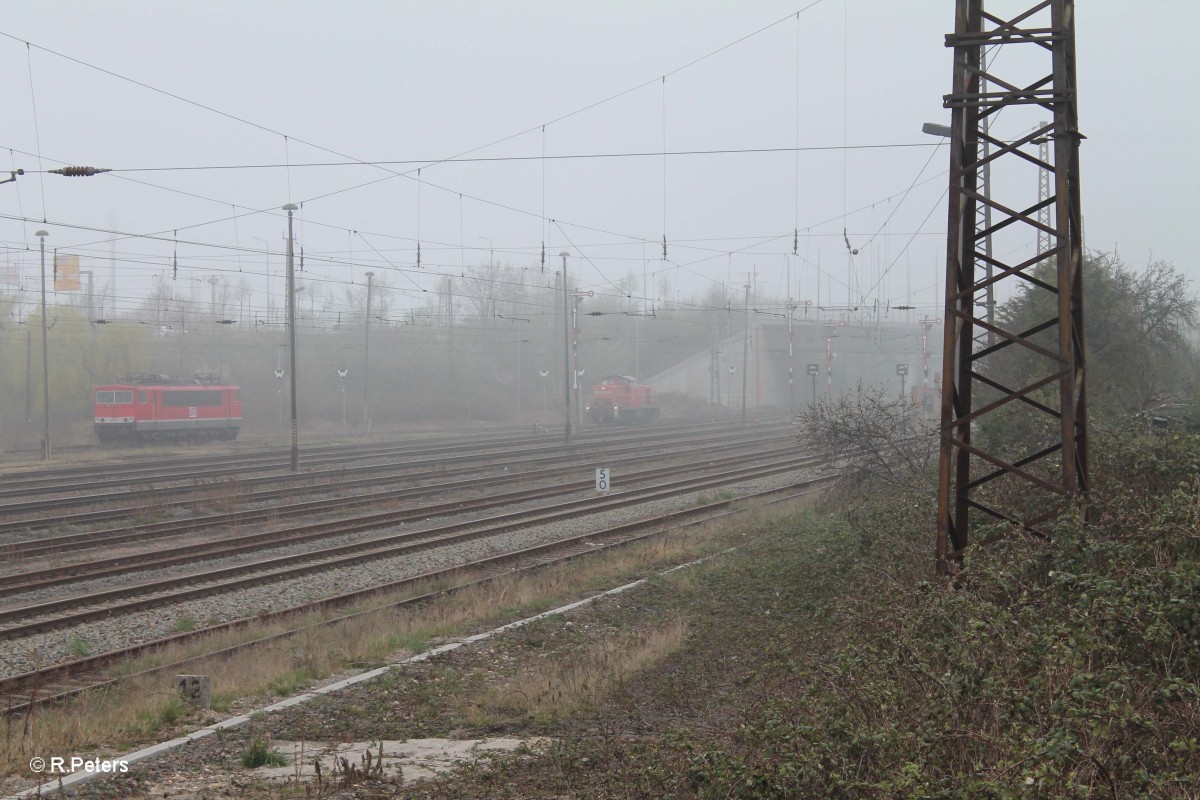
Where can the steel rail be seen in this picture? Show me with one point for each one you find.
(185, 467)
(393, 473)
(27, 581)
(473, 453)
(497, 566)
(295, 565)
(131, 467)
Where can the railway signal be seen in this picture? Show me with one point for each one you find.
(579, 394)
(279, 373)
(342, 373)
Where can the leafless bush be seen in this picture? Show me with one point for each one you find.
(873, 438)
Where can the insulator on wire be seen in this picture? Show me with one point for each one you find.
(79, 172)
(543, 256)
(664, 258)
(796, 242)
(418, 255)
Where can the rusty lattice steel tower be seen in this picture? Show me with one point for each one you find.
(1052, 471)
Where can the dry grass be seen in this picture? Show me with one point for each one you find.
(219, 495)
(146, 708)
(580, 682)
(150, 508)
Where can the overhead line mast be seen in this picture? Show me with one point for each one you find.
(1049, 477)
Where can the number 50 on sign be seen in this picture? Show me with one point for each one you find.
(602, 479)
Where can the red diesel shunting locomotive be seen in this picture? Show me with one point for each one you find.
(145, 408)
(619, 399)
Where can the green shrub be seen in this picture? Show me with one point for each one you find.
(260, 754)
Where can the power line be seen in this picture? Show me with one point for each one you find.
(244, 121)
(461, 157)
(424, 162)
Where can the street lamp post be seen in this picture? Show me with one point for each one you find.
(566, 352)
(944, 131)
(745, 348)
(291, 321)
(367, 355)
(45, 356)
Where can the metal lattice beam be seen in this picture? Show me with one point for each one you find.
(1048, 474)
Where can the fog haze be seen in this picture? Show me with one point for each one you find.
(417, 82)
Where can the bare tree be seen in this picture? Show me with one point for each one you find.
(872, 437)
(381, 299)
(154, 307)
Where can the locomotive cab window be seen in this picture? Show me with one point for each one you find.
(141, 395)
(109, 398)
(203, 397)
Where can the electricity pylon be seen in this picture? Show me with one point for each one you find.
(1051, 473)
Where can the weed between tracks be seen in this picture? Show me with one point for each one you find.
(144, 707)
(150, 508)
(219, 495)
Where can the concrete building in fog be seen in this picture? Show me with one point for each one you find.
(844, 353)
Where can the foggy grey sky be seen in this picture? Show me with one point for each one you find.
(410, 81)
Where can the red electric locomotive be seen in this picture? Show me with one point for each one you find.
(619, 398)
(160, 408)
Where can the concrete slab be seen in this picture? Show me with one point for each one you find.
(414, 759)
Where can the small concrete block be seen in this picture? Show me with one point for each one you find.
(196, 689)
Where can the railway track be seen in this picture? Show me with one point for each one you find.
(31, 580)
(229, 453)
(418, 459)
(85, 476)
(59, 682)
(65, 612)
(339, 480)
